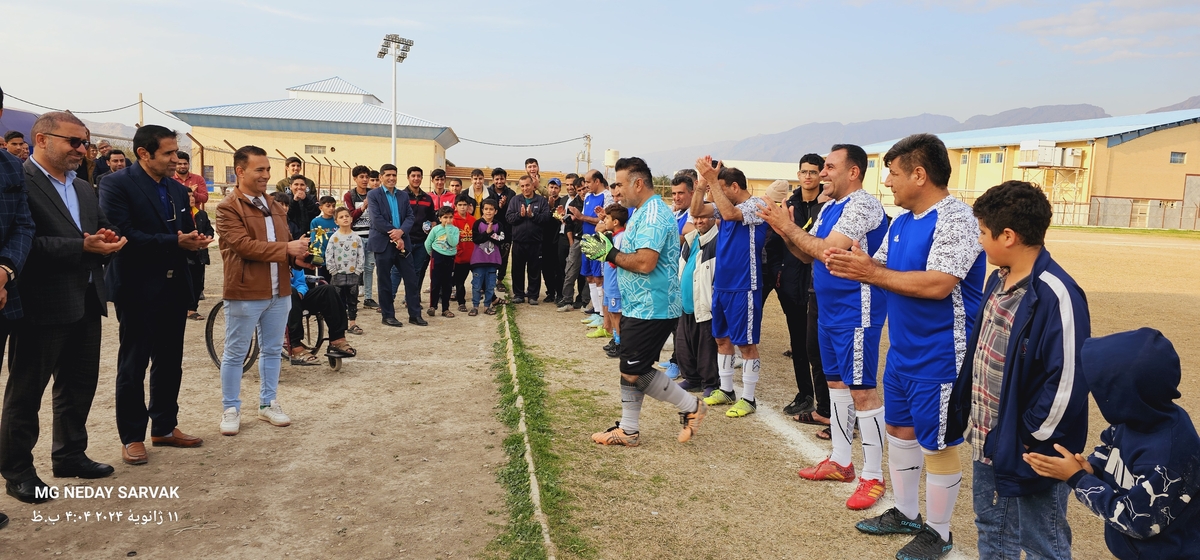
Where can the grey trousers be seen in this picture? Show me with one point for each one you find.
(571, 273)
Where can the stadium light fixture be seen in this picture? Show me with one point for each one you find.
(398, 47)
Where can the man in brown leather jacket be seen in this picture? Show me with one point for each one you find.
(256, 250)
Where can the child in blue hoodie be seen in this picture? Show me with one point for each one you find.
(1019, 388)
(1143, 475)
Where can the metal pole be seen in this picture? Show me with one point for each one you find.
(141, 118)
(392, 55)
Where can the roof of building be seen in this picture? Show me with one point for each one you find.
(1116, 130)
(764, 170)
(330, 85)
(351, 116)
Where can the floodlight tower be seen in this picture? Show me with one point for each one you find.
(397, 47)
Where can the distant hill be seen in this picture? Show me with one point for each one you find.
(1190, 103)
(789, 145)
(1034, 115)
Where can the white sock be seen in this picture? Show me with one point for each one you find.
(841, 426)
(631, 408)
(750, 372)
(659, 386)
(725, 371)
(941, 491)
(870, 426)
(598, 296)
(904, 464)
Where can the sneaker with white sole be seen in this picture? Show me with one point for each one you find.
(231, 421)
(274, 414)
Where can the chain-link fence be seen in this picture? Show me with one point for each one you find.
(332, 177)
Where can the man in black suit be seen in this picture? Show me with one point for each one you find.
(150, 283)
(16, 237)
(391, 220)
(62, 291)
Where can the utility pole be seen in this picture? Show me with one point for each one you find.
(141, 111)
(588, 144)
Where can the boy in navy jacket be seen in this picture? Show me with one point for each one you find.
(1019, 389)
(1143, 475)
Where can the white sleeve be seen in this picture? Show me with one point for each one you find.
(749, 209)
(955, 241)
(862, 214)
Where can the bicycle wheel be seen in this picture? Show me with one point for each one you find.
(214, 338)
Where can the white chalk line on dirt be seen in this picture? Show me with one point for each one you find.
(535, 492)
(813, 451)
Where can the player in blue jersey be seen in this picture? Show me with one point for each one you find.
(850, 319)
(595, 198)
(737, 291)
(932, 266)
(648, 275)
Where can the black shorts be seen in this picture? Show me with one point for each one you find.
(642, 341)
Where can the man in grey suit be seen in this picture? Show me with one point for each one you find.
(62, 290)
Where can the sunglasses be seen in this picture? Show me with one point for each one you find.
(73, 141)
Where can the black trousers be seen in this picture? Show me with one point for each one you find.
(813, 346)
(197, 284)
(385, 262)
(323, 299)
(151, 334)
(420, 259)
(526, 264)
(505, 249)
(696, 352)
(461, 271)
(441, 280)
(349, 297)
(552, 265)
(810, 379)
(71, 355)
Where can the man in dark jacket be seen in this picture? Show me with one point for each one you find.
(391, 220)
(423, 221)
(302, 208)
(526, 215)
(573, 257)
(552, 231)
(16, 238)
(150, 283)
(62, 292)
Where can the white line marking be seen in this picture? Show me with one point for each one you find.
(535, 491)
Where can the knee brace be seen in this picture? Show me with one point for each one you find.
(942, 462)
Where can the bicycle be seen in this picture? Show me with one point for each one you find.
(214, 338)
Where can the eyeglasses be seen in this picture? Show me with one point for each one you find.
(810, 173)
(73, 141)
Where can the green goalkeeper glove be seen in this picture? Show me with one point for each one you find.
(598, 247)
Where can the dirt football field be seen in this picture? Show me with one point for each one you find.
(399, 454)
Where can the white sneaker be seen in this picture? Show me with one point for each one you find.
(231, 421)
(274, 414)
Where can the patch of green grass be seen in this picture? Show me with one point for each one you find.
(1178, 233)
(522, 538)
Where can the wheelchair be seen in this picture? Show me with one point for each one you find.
(313, 337)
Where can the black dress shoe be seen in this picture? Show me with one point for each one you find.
(550, 299)
(86, 468)
(418, 321)
(392, 322)
(3, 521)
(27, 491)
(518, 299)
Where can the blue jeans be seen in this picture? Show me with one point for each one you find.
(483, 284)
(369, 275)
(243, 319)
(1036, 523)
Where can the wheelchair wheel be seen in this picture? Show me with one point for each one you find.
(335, 364)
(214, 338)
(313, 336)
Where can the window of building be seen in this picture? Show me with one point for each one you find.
(985, 158)
(999, 157)
(964, 159)
(230, 175)
(871, 164)
(310, 149)
(207, 173)
(1178, 157)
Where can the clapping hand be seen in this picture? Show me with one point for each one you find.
(193, 241)
(1061, 468)
(704, 166)
(103, 242)
(854, 264)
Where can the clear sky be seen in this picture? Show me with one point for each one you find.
(639, 76)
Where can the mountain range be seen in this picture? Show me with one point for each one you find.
(790, 145)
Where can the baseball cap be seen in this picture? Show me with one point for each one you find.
(555, 181)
